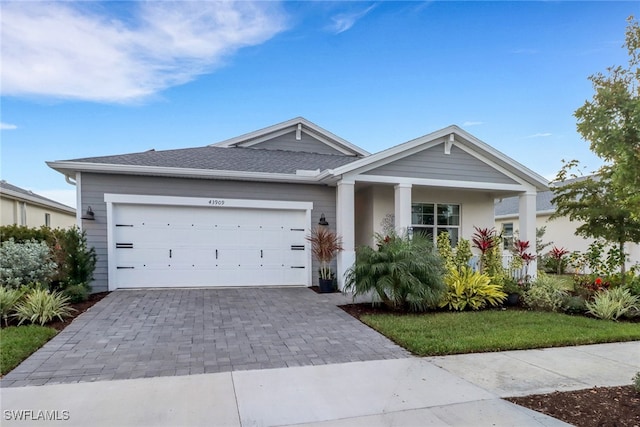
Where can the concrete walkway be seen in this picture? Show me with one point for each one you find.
(442, 391)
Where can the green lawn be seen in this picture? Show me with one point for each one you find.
(491, 330)
(18, 342)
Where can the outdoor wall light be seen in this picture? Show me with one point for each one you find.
(88, 215)
(323, 220)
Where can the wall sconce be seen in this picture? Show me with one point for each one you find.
(88, 215)
(323, 220)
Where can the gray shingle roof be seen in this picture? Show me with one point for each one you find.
(510, 205)
(228, 159)
(5, 186)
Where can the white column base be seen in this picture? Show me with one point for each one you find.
(346, 259)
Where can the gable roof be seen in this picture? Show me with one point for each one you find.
(242, 158)
(17, 193)
(298, 124)
(449, 135)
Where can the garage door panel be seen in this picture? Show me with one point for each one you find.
(194, 246)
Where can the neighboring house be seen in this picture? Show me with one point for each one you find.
(236, 213)
(559, 231)
(23, 207)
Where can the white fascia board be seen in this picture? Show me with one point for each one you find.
(210, 202)
(391, 154)
(290, 125)
(432, 139)
(39, 202)
(515, 215)
(65, 167)
(534, 178)
(463, 185)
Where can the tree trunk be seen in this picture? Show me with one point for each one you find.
(623, 259)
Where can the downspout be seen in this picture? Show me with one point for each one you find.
(74, 181)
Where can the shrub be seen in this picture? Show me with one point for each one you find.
(8, 301)
(26, 262)
(402, 274)
(613, 304)
(470, 289)
(68, 247)
(636, 382)
(545, 294)
(76, 293)
(78, 261)
(42, 306)
(574, 304)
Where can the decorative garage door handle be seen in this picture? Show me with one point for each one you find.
(261, 253)
(216, 254)
(170, 253)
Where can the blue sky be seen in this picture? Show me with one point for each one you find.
(83, 79)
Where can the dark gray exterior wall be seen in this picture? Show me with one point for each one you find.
(288, 142)
(94, 187)
(433, 163)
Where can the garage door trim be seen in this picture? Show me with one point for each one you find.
(207, 202)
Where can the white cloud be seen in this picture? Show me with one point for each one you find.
(525, 51)
(70, 50)
(344, 21)
(472, 123)
(7, 126)
(539, 135)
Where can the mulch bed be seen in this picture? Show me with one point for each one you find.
(594, 407)
(598, 406)
(80, 307)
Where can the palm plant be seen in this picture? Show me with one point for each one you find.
(325, 245)
(403, 273)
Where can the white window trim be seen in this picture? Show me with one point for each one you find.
(435, 215)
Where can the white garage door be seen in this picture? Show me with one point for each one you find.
(182, 246)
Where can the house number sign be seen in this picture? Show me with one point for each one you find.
(216, 202)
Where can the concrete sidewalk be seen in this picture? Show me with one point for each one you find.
(445, 391)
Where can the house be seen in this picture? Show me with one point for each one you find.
(23, 207)
(236, 213)
(561, 232)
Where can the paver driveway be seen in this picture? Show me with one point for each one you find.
(149, 333)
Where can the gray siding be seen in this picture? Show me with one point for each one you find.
(288, 142)
(434, 164)
(94, 186)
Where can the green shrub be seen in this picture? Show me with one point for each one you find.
(76, 293)
(636, 382)
(545, 294)
(68, 247)
(402, 273)
(42, 306)
(8, 301)
(26, 262)
(574, 304)
(613, 304)
(470, 289)
(78, 261)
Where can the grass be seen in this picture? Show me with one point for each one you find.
(18, 342)
(438, 334)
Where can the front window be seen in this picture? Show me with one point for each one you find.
(431, 219)
(507, 236)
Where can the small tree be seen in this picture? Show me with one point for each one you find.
(609, 204)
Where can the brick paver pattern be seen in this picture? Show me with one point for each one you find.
(150, 333)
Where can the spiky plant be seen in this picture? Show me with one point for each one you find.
(402, 273)
(325, 245)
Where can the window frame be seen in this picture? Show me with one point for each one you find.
(433, 229)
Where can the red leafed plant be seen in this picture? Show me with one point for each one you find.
(484, 239)
(557, 254)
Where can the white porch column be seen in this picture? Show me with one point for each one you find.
(345, 227)
(402, 199)
(527, 217)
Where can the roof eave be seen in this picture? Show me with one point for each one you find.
(38, 201)
(66, 167)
